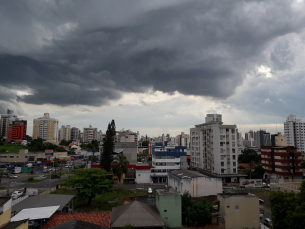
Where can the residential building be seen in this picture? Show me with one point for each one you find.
(65, 133)
(90, 134)
(183, 140)
(214, 147)
(46, 128)
(168, 202)
(294, 130)
(278, 140)
(166, 158)
(263, 138)
(75, 134)
(17, 130)
(281, 162)
(195, 183)
(126, 136)
(143, 173)
(100, 136)
(239, 210)
(129, 149)
(4, 123)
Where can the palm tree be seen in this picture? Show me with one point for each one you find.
(120, 166)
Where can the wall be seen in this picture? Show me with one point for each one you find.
(5, 217)
(240, 211)
(25, 225)
(143, 176)
(197, 187)
(169, 207)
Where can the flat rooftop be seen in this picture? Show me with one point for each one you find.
(167, 192)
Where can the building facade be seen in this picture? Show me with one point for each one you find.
(281, 162)
(75, 134)
(166, 158)
(65, 133)
(90, 134)
(193, 182)
(294, 130)
(17, 130)
(214, 146)
(46, 128)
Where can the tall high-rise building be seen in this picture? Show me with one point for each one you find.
(263, 138)
(46, 128)
(294, 130)
(213, 146)
(75, 134)
(65, 133)
(17, 130)
(4, 123)
(90, 134)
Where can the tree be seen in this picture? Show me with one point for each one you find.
(120, 166)
(195, 214)
(288, 209)
(108, 147)
(249, 155)
(89, 183)
(145, 143)
(303, 164)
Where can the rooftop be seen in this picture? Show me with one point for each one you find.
(3, 200)
(228, 195)
(167, 192)
(185, 174)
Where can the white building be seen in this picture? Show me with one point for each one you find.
(294, 130)
(165, 159)
(46, 128)
(195, 183)
(126, 136)
(65, 133)
(183, 140)
(142, 173)
(214, 146)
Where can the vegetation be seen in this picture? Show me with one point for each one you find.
(65, 142)
(39, 145)
(9, 148)
(108, 147)
(288, 209)
(303, 164)
(249, 156)
(120, 166)
(2, 188)
(89, 183)
(145, 143)
(195, 214)
(104, 202)
(258, 173)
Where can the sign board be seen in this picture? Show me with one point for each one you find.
(26, 169)
(251, 183)
(17, 170)
(49, 154)
(48, 151)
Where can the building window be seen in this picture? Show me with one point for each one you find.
(236, 206)
(222, 163)
(234, 163)
(233, 156)
(11, 156)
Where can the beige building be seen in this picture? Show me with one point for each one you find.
(65, 133)
(89, 134)
(239, 210)
(280, 140)
(46, 128)
(24, 156)
(6, 213)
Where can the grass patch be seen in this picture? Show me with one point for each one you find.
(2, 188)
(102, 202)
(7, 148)
(263, 193)
(31, 181)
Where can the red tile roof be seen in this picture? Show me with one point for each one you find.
(98, 218)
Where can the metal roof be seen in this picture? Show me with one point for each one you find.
(43, 201)
(35, 213)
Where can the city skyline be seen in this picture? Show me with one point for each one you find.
(154, 67)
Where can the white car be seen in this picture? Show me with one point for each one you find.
(149, 191)
(13, 176)
(16, 194)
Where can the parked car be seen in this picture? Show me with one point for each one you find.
(149, 191)
(54, 176)
(68, 166)
(16, 194)
(13, 176)
(267, 222)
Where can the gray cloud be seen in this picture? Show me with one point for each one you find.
(90, 53)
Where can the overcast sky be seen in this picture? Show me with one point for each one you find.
(153, 66)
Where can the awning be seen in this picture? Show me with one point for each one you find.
(35, 213)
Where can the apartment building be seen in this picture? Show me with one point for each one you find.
(90, 134)
(75, 134)
(65, 133)
(214, 146)
(281, 162)
(166, 158)
(4, 123)
(294, 130)
(183, 140)
(126, 136)
(46, 128)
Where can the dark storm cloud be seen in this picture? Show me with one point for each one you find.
(91, 52)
